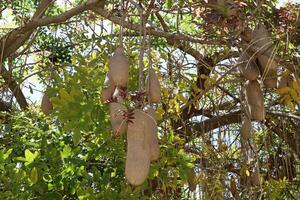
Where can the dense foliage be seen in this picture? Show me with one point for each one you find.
(62, 48)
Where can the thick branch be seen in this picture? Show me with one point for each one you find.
(16, 38)
(14, 87)
(216, 122)
(60, 18)
(9, 44)
(235, 117)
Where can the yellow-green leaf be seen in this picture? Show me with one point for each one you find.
(181, 98)
(290, 105)
(296, 86)
(34, 175)
(283, 90)
(159, 113)
(247, 173)
(295, 95)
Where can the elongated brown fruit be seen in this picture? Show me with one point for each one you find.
(46, 105)
(255, 100)
(153, 87)
(118, 122)
(245, 129)
(261, 39)
(248, 68)
(255, 178)
(138, 158)
(119, 68)
(268, 71)
(151, 129)
(108, 89)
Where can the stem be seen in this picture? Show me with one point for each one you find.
(149, 68)
(142, 50)
(122, 22)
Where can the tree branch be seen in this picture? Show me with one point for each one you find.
(12, 41)
(9, 44)
(152, 30)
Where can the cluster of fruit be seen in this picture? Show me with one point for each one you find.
(257, 62)
(139, 123)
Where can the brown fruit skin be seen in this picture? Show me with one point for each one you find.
(261, 38)
(119, 125)
(245, 129)
(255, 100)
(268, 70)
(108, 89)
(249, 69)
(255, 178)
(46, 105)
(267, 66)
(151, 129)
(153, 87)
(119, 68)
(138, 157)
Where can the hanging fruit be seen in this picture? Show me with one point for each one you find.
(255, 100)
(255, 178)
(151, 132)
(268, 71)
(245, 129)
(261, 38)
(119, 68)
(266, 63)
(153, 87)
(138, 157)
(248, 67)
(46, 105)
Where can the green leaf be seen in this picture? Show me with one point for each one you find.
(6, 155)
(64, 95)
(169, 3)
(76, 138)
(51, 196)
(34, 175)
(30, 157)
(66, 152)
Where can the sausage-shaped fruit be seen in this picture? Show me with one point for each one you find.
(261, 38)
(268, 71)
(151, 129)
(138, 158)
(248, 67)
(119, 68)
(245, 129)
(153, 87)
(46, 105)
(255, 100)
